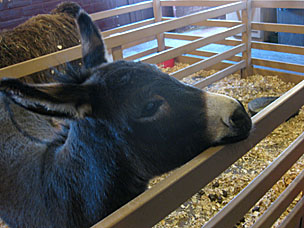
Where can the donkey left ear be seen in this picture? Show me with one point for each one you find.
(55, 99)
(93, 48)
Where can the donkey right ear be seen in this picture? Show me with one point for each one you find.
(93, 48)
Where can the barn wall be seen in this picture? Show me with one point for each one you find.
(14, 12)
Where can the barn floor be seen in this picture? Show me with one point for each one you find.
(207, 31)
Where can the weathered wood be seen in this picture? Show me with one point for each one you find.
(177, 51)
(169, 194)
(284, 200)
(242, 203)
(121, 10)
(203, 64)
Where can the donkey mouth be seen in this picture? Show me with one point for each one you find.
(233, 139)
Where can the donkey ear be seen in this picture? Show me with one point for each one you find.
(55, 99)
(93, 48)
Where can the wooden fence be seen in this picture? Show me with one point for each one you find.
(154, 204)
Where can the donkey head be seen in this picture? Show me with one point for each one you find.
(166, 121)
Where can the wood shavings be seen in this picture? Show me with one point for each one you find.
(202, 207)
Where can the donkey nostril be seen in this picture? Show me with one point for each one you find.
(240, 120)
(237, 119)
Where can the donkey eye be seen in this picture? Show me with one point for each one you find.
(151, 108)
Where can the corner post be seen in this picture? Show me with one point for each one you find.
(157, 10)
(246, 39)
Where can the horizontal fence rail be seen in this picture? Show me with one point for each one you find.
(203, 64)
(285, 199)
(164, 26)
(174, 52)
(254, 44)
(242, 203)
(255, 3)
(122, 10)
(195, 3)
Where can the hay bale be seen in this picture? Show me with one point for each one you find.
(40, 35)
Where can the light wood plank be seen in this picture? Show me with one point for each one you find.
(254, 44)
(121, 10)
(195, 3)
(177, 51)
(157, 202)
(41, 63)
(286, 77)
(203, 64)
(164, 26)
(191, 60)
(127, 27)
(220, 75)
(279, 65)
(273, 27)
(141, 54)
(137, 42)
(278, 47)
(212, 22)
(283, 201)
(278, 4)
(242, 203)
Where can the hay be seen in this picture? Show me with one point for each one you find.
(201, 207)
(40, 35)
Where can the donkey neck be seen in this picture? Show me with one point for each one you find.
(98, 146)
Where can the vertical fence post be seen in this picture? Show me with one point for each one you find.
(157, 10)
(117, 53)
(246, 38)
